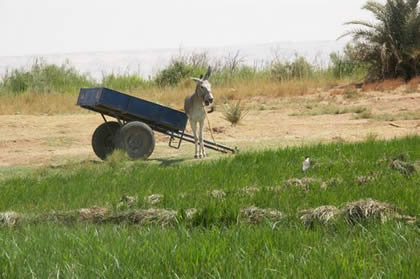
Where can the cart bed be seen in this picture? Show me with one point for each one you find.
(128, 108)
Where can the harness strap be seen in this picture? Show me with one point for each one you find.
(208, 122)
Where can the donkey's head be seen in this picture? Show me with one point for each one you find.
(203, 89)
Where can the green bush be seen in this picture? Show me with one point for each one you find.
(44, 78)
(124, 82)
(299, 69)
(182, 67)
(391, 45)
(345, 64)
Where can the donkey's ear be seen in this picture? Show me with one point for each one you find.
(201, 76)
(196, 79)
(207, 75)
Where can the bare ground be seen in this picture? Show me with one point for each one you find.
(37, 140)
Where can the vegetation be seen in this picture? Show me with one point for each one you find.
(233, 112)
(217, 240)
(297, 69)
(44, 78)
(391, 45)
(345, 64)
(125, 81)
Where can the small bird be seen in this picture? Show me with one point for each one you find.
(306, 164)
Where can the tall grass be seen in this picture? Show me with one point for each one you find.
(44, 78)
(216, 243)
(231, 78)
(125, 81)
(244, 252)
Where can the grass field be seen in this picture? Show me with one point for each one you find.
(222, 239)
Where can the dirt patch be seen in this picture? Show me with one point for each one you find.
(28, 140)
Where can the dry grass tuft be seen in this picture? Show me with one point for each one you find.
(190, 213)
(365, 179)
(406, 218)
(403, 167)
(300, 183)
(255, 215)
(369, 209)
(94, 213)
(323, 214)
(234, 113)
(218, 194)
(154, 199)
(66, 217)
(152, 216)
(9, 218)
(127, 202)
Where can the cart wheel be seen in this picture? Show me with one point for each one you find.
(104, 139)
(137, 139)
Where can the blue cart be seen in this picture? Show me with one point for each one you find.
(136, 119)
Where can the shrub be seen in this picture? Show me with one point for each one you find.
(391, 45)
(233, 112)
(345, 64)
(297, 69)
(182, 67)
(124, 82)
(45, 78)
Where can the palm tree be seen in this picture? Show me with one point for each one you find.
(390, 45)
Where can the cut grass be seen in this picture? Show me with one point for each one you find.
(252, 231)
(80, 186)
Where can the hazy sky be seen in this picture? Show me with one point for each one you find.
(63, 26)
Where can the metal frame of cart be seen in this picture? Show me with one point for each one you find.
(136, 118)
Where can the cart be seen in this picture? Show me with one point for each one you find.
(136, 119)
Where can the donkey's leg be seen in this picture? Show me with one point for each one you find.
(194, 130)
(200, 136)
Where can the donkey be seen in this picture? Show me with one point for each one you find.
(194, 107)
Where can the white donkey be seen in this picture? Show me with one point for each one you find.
(194, 108)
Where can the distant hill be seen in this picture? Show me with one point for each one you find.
(147, 62)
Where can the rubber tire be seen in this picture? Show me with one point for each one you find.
(137, 139)
(104, 139)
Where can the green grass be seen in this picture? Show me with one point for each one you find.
(216, 243)
(390, 251)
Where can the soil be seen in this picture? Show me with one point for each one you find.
(45, 140)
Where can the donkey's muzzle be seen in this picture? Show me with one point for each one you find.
(208, 102)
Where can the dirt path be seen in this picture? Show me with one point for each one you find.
(28, 140)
